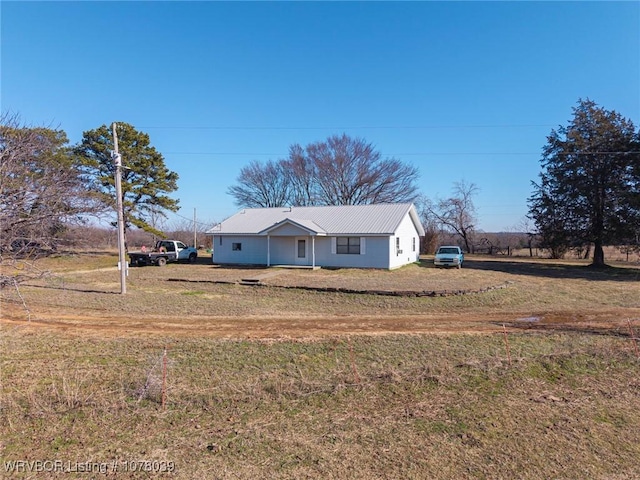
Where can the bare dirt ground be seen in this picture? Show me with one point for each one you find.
(486, 296)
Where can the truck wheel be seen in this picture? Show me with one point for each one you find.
(193, 257)
(161, 262)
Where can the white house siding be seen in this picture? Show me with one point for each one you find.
(407, 234)
(283, 250)
(376, 254)
(379, 252)
(254, 250)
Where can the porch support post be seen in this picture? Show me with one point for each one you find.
(313, 251)
(268, 250)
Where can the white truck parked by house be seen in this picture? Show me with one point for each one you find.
(164, 252)
(449, 256)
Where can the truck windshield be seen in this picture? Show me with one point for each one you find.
(449, 250)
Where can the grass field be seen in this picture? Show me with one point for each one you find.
(516, 369)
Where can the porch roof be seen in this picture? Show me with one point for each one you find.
(308, 226)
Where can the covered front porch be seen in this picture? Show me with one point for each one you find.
(292, 244)
(291, 252)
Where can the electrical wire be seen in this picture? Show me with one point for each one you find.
(343, 128)
(411, 153)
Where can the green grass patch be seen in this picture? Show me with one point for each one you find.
(194, 292)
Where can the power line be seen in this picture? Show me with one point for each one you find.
(410, 153)
(361, 127)
(202, 224)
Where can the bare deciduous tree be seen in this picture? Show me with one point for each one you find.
(430, 225)
(349, 171)
(339, 171)
(260, 185)
(184, 230)
(526, 226)
(41, 192)
(458, 213)
(302, 173)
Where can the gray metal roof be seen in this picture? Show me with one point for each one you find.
(377, 219)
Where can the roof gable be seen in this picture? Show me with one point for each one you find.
(308, 226)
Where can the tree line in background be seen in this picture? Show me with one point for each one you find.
(588, 194)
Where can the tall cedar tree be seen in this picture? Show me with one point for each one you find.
(146, 180)
(589, 186)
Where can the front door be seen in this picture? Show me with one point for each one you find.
(301, 251)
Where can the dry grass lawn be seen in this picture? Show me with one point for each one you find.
(208, 300)
(288, 380)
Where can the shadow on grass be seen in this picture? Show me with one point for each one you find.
(70, 289)
(550, 269)
(607, 331)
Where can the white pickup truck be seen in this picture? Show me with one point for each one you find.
(164, 252)
(449, 256)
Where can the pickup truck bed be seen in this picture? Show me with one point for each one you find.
(140, 259)
(164, 252)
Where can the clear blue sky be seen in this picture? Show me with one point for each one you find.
(462, 90)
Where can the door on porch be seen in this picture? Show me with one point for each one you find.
(301, 253)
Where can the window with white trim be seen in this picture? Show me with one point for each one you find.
(348, 245)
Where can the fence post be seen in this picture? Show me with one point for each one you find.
(633, 338)
(353, 361)
(506, 342)
(164, 378)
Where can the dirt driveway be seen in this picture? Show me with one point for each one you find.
(205, 300)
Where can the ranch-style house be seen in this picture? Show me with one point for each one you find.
(362, 236)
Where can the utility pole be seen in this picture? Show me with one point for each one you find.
(195, 231)
(122, 260)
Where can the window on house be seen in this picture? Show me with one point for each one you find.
(413, 244)
(220, 241)
(236, 247)
(348, 245)
(398, 251)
